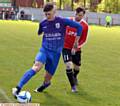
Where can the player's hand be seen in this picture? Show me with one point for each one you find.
(73, 51)
(76, 42)
(75, 45)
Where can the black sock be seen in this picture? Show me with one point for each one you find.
(76, 73)
(70, 77)
(18, 89)
(43, 86)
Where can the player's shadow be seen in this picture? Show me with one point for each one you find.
(54, 101)
(82, 94)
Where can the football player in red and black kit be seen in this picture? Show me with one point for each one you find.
(72, 55)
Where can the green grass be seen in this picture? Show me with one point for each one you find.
(100, 71)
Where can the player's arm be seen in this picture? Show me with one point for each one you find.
(83, 37)
(76, 25)
(40, 29)
(76, 44)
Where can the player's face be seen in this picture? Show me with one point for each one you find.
(79, 16)
(50, 15)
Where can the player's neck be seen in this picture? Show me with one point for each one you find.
(78, 20)
(51, 19)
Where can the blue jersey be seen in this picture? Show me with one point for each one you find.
(54, 32)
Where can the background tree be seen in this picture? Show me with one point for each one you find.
(109, 6)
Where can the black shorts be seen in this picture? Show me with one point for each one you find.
(67, 56)
(108, 23)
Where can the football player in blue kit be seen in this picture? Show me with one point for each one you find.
(53, 29)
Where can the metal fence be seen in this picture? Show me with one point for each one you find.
(90, 17)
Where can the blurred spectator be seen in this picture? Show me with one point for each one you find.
(12, 15)
(32, 18)
(0, 14)
(108, 20)
(7, 15)
(22, 15)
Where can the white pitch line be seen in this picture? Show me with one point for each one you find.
(5, 96)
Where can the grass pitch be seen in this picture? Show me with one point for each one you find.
(99, 79)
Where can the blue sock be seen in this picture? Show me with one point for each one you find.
(26, 77)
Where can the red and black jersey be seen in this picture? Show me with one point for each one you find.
(70, 35)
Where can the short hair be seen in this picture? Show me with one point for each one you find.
(48, 7)
(80, 9)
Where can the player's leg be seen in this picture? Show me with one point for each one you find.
(70, 75)
(46, 83)
(51, 65)
(67, 57)
(76, 72)
(39, 62)
(76, 59)
(109, 24)
(26, 77)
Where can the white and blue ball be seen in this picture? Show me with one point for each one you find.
(24, 97)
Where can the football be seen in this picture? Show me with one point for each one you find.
(24, 97)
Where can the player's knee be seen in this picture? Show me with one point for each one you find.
(37, 66)
(76, 67)
(69, 65)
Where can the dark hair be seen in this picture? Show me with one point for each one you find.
(79, 9)
(48, 7)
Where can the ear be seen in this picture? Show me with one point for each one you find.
(54, 11)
